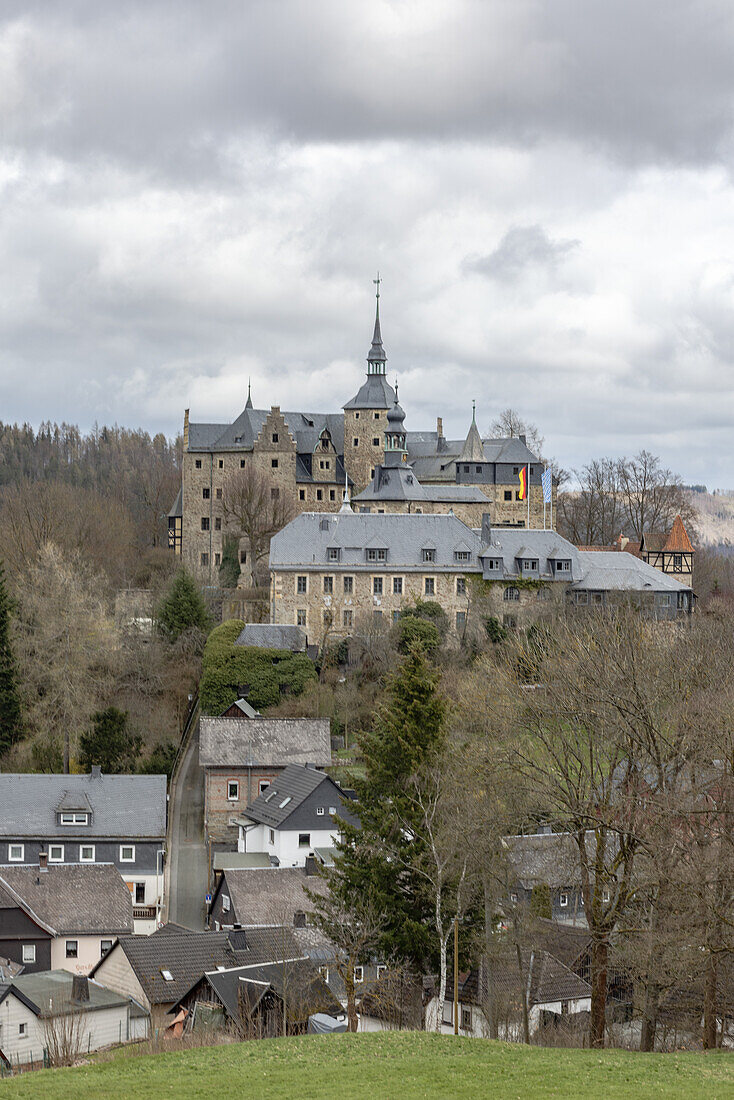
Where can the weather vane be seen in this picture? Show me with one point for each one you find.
(377, 282)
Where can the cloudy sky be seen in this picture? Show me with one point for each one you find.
(193, 194)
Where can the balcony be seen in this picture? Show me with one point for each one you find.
(144, 912)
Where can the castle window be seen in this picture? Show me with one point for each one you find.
(429, 554)
(395, 616)
(333, 553)
(221, 463)
(328, 586)
(204, 559)
(243, 556)
(327, 617)
(332, 494)
(301, 494)
(275, 437)
(319, 494)
(355, 442)
(516, 470)
(511, 593)
(274, 463)
(356, 416)
(478, 469)
(397, 586)
(430, 586)
(377, 586)
(218, 523)
(508, 494)
(678, 563)
(377, 416)
(242, 463)
(460, 621)
(301, 617)
(376, 555)
(517, 495)
(301, 585)
(372, 472)
(217, 559)
(466, 469)
(462, 555)
(532, 470)
(461, 586)
(376, 442)
(348, 586)
(274, 494)
(205, 523)
(205, 494)
(197, 463)
(219, 494)
(347, 618)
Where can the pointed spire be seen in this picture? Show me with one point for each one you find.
(473, 449)
(248, 404)
(346, 503)
(376, 357)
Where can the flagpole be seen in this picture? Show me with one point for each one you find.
(544, 526)
(551, 499)
(528, 492)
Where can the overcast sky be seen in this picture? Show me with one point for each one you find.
(193, 194)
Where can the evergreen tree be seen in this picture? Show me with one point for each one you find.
(11, 729)
(110, 743)
(408, 736)
(182, 608)
(229, 571)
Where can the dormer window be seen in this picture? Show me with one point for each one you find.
(530, 565)
(376, 555)
(74, 819)
(334, 553)
(462, 555)
(493, 565)
(429, 554)
(563, 566)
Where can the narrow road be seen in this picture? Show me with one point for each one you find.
(188, 880)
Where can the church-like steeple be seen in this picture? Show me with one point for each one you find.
(472, 451)
(376, 358)
(395, 451)
(248, 403)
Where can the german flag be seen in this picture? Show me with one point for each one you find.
(523, 478)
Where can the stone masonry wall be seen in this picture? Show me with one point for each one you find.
(219, 809)
(365, 426)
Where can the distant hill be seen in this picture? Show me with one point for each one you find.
(715, 519)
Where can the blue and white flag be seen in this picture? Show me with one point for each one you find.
(547, 480)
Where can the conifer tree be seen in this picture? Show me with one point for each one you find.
(10, 716)
(182, 608)
(408, 736)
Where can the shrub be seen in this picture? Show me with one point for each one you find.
(429, 610)
(413, 632)
(540, 901)
(229, 570)
(495, 630)
(267, 673)
(182, 608)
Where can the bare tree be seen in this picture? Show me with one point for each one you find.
(255, 509)
(63, 1033)
(593, 515)
(652, 495)
(510, 423)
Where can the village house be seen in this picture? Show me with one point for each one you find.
(365, 569)
(299, 813)
(241, 756)
(157, 970)
(39, 1012)
(82, 820)
(672, 552)
(62, 917)
(550, 860)
(307, 458)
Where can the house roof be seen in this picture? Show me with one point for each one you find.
(128, 806)
(551, 858)
(273, 636)
(9, 969)
(547, 979)
(186, 955)
(513, 543)
(375, 393)
(226, 861)
(305, 428)
(401, 483)
(244, 709)
(295, 975)
(270, 896)
(264, 742)
(678, 540)
(87, 899)
(605, 570)
(280, 804)
(51, 990)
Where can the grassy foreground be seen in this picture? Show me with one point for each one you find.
(384, 1065)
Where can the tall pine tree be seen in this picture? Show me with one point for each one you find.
(408, 735)
(11, 729)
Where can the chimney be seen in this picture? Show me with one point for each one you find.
(96, 771)
(186, 430)
(439, 427)
(523, 438)
(486, 528)
(79, 987)
(299, 919)
(43, 861)
(310, 866)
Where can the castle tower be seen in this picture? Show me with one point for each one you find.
(396, 453)
(365, 416)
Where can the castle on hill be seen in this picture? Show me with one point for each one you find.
(313, 461)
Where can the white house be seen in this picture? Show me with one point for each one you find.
(298, 813)
(37, 1010)
(492, 994)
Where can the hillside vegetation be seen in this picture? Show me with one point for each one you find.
(388, 1064)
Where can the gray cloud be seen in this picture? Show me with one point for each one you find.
(522, 247)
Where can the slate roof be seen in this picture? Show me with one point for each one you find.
(299, 976)
(188, 955)
(240, 435)
(432, 461)
(271, 636)
(270, 896)
(549, 980)
(88, 898)
(279, 804)
(512, 543)
(608, 571)
(551, 858)
(267, 742)
(375, 393)
(47, 989)
(401, 483)
(402, 534)
(128, 806)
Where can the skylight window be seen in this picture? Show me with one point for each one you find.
(167, 975)
(271, 795)
(285, 802)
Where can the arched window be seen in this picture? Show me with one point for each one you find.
(511, 593)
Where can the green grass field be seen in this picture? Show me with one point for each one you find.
(403, 1066)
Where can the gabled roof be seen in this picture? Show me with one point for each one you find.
(131, 807)
(244, 708)
(87, 898)
(546, 978)
(188, 955)
(270, 896)
(267, 742)
(273, 636)
(280, 803)
(293, 974)
(51, 990)
(304, 427)
(678, 541)
(401, 483)
(606, 570)
(473, 449)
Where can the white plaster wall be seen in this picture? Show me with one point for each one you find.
(98, 1029)
(89, 953)
(286, 846)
